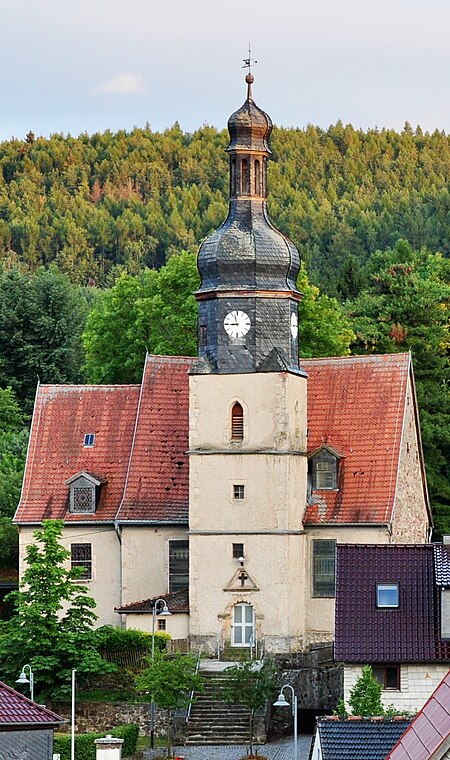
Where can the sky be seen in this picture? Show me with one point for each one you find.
(73, 66)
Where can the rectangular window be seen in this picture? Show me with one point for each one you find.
(81, 556)
(178, 565)
(161, 624)
(325, 475)
(89, 440)
(238, 491)
(83, 498)
(387, 595)
(388, 676)
(323, 567)
(203, 335)
(238, 551)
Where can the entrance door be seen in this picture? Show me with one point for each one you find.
(243, 624)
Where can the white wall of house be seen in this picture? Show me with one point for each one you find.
(177, 625)
(417, 683)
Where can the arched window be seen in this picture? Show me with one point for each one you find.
(237, 422)
(245, 177)
(257, 178)
(233, 177)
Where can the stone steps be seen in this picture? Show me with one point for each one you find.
(214, 721)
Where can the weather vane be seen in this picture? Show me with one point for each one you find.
(249, 62)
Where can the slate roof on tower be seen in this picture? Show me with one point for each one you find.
(355, 406)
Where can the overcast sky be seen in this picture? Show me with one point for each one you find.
(90, 65)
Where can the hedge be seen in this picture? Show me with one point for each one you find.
(85, 746)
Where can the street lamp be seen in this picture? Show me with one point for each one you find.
(30, 680)
(165, 612)
(281, 702)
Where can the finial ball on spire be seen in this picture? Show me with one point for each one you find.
(249, 78)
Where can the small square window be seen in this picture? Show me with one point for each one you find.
(238, 491)
(238, 551)
(89, 440)
(161, 625)
(387, 595)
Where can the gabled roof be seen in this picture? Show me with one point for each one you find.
(409, 633)
(63, 414)
(356, 405)
(177, 601)
(358, 738)
(158, 480)
(428, 736)
(19, 711)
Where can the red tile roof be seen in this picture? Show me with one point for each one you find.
(429, 732)
(62, 416)
(356, 406)
(158, 481)
(177, 601)
(17, 710)
(367, 634)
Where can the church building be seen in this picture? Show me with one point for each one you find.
(222, 483)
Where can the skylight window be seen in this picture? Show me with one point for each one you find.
(89, 439)
(387, 595)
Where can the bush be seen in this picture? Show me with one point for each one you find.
(115, 639)
(85, 743)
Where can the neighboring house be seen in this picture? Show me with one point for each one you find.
(356, 738)
(235, 473)
(26, 729)
(393, 613)
(428, 736)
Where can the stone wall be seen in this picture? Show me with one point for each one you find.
(317, 680)
(102, 717)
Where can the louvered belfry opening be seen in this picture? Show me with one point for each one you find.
(237, 422)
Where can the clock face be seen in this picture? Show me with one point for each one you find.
(294, 325)
(236, 324)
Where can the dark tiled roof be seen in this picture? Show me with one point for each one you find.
(177, 601)
(359, 738)
(442, 564)
(407, 633)
(17, 710)
(356, 406)
(429, 730)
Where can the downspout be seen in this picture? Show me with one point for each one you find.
(117, 527)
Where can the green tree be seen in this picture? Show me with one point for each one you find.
(251, 685)
(365, 696)
(52, 626)
(324, 328)
(41, 320)
(154, 311)
(13, 448)
(406, 306)
(170, 681)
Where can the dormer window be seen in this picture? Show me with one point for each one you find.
(89, 440)
(324, 469)
(84, 493)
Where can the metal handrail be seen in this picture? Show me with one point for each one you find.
(191, 696)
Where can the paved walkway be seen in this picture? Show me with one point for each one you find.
(282, 750)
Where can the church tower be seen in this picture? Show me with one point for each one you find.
(247, 418)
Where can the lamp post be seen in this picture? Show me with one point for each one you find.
(30, 680)
(164, 611)
(72, 722)
(281, 702)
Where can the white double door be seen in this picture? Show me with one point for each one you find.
(243, 625)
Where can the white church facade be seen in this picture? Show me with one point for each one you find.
(223, 482)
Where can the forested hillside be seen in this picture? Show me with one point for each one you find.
(97, 260)
(94, 203)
